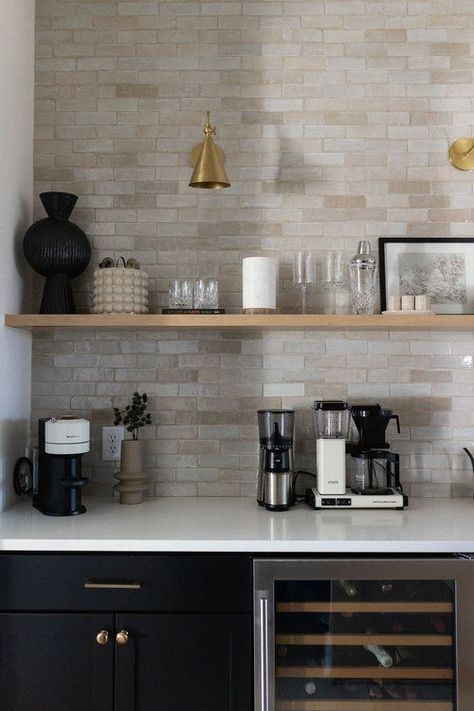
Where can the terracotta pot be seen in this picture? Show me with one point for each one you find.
(131, 478)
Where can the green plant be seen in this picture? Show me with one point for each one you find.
(135, 415)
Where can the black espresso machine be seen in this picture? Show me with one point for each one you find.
(375, 470)
(62, 442)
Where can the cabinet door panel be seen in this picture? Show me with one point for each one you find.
(185, 663)
(52, 662)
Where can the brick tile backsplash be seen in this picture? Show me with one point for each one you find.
(335, 118)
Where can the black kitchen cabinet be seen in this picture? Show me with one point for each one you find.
(184, 662)
(122, 632)
(52, 662)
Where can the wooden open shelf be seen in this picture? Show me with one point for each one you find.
(354, 640)
(402, 607)
(364, 673)
(368, 705)
(316, 322)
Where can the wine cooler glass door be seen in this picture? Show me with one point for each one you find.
(364, 635)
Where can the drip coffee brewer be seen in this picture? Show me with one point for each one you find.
(376, 470)
(331, 424)
(275, 471)
(375, 480)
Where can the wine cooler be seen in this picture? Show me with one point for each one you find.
(365, 634)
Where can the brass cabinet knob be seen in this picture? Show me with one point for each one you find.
(122, 637)
(102, 637)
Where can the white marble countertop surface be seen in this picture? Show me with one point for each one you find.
(239, 525)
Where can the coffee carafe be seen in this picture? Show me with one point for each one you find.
(275, 472)
(375, 469)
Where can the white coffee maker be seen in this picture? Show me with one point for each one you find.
(331, 423)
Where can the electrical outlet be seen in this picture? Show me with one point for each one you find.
(111, 441)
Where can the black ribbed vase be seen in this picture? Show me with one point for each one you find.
(58, 250)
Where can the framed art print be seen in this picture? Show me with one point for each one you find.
(442, 269)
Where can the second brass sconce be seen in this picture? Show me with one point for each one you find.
(461, 154)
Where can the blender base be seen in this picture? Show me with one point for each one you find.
(393, 499)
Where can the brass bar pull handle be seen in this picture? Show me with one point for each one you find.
(112, 586)
(122, 638)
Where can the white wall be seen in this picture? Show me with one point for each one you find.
(16, 193)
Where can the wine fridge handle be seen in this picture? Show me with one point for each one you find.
(264, 656)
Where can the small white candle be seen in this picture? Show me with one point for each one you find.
(394, 303)
(422, 302)
(408, 303)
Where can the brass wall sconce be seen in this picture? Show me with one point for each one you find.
(208, 161)
(461, 154)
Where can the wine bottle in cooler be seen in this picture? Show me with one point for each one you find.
(349, 588)
(381, 654)
(310, 688)
(413, 590)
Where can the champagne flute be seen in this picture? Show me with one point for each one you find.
(304, 274)
(333, 275)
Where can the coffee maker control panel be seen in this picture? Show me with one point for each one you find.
(396, 500)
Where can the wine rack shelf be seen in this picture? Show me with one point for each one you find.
(354, 640)
(365, 672)
(242, 322)
(349, 705)
(394, 607)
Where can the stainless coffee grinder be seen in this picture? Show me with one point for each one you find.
(275, 489)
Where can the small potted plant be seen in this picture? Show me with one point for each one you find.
(131, 478)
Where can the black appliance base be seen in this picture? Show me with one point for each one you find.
(77, 512)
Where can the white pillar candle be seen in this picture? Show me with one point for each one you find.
(422, 302)
(259, 284)
(408, 303)
(394, 303)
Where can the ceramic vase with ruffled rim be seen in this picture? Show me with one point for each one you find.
(58, 250)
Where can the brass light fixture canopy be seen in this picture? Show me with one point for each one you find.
(461, 154)
(208, 160)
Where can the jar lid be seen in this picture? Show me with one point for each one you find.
(330, 405)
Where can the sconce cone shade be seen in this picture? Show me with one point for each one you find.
(209, 170)
(461, 154)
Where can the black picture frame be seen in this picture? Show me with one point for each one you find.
(403, 240)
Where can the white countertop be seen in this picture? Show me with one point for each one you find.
(239, 525)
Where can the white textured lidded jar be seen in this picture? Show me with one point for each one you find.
(259, 275)
(120, 290)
